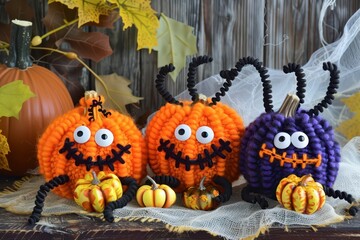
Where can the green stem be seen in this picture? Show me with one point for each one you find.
(95, 180)
(201, 185)
(97, 77)
(60, 28)
(154, 184)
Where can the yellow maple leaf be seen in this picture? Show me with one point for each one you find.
(4, 150)
(88, 10)
(140, 14)
(120, 94)
(351, 127)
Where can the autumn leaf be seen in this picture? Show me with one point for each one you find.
(12, 96)
(120, 93)
(140, 14)
(89, 45)
(351, 127)
(88, 10)
(4, 150)
(176, 41)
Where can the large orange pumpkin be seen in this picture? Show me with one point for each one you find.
(52, 99)
(192, 139)
(89, 138)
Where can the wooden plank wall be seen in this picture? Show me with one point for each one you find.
(275, 31)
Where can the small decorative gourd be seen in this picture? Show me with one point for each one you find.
(201, 197)
(191, 139)
(51, 100)
(301, 194)
(94, 191)
(90, 138)
(156, 195)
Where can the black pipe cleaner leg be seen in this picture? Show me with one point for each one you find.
(41, 195)
(121, 202)
(226, 185)
(252, 197)
(342, 195)
(171, 181)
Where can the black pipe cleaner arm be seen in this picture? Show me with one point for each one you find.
(301, 81)
(331, 90)
(160, 83)
(342, 195)
(267, 97)
(252, 197)
(193, 65)
(171, 181)
(228, 75)
(41, 195)
(227, 187)
(121, 202)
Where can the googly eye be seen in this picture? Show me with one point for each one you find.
(282, 140)
(182, 132)
(103, 137)
(204, 134)
(82, 134)
(299, 139)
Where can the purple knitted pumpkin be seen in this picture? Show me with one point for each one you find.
(290, 141)
(275, 146)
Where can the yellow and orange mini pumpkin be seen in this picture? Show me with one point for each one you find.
(201, 197)
(192, 139)
(94, 191)
(301, 194)
(156, 195)
(89, 138)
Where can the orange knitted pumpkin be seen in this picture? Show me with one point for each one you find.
(192, 139)
(89, 138)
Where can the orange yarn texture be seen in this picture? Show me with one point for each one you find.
(53, 162)
(226, 125)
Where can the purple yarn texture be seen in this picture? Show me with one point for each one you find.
(263, 176)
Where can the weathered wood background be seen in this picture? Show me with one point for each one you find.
(275, 31)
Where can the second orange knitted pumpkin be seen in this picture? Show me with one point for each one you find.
(192, 139)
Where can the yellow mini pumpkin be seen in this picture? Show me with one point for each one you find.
(301, 194)
(94, 192)
(202, 197)
(155, 195)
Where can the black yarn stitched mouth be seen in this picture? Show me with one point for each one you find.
(73, 153)
(207, 157)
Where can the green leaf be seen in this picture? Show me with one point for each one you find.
(115, 89)
(12, 96)
(175, 41)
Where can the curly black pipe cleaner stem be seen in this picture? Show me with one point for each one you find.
(227, 187)
(171, 181)
(160, 83)
(252, 197)
(342, 195)
(41, 195)
(121, 202)
(331, 90)
(301, 81)
(228, 75)
(267, 97)
(196, 61)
